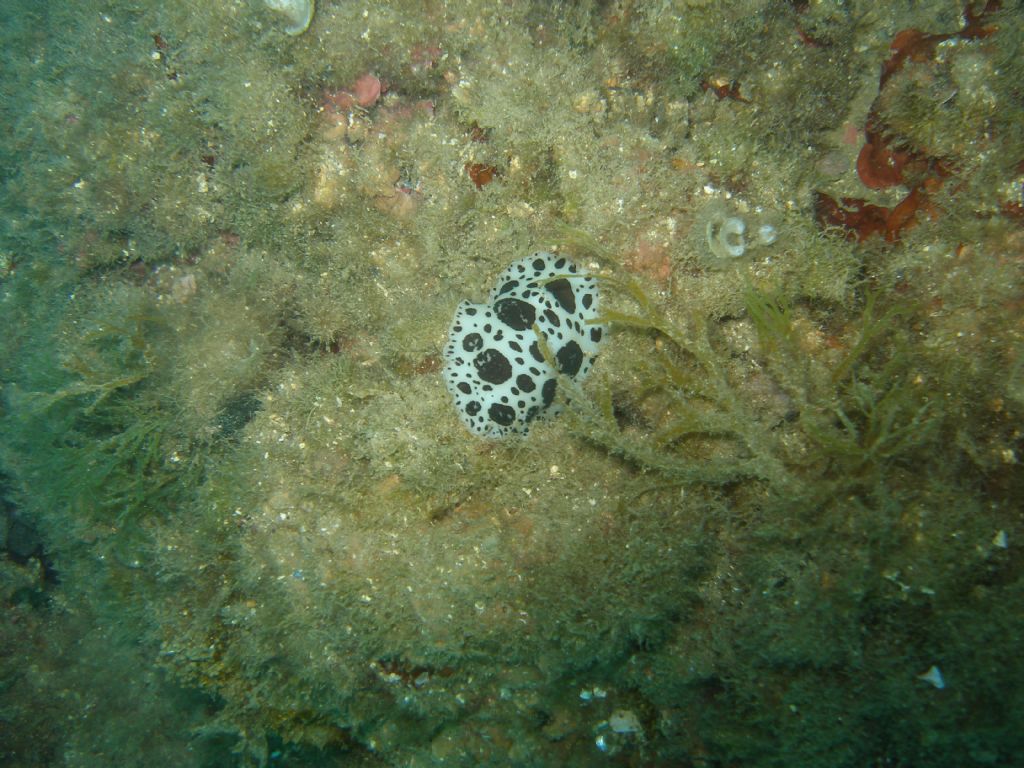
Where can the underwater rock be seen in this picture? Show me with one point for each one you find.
(542, 308)
(298, 12)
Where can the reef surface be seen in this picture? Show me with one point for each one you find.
(779, 524)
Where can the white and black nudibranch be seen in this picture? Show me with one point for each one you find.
(495, 366)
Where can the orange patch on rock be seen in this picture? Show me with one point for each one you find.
(650, 260)
(481, 174)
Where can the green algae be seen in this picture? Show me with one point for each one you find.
(777, 501)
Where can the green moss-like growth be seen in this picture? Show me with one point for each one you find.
(786, 491)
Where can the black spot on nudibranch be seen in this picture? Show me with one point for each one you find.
(562, 292)
(536, 353)
(525, 383)
(569, 358)
(516, 313)
(472, 342)
(547, 392)
(503, 415)
(492, 366)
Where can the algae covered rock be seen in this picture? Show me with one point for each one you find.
(228, 263)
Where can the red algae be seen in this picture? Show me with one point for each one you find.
(880, 164)
(481, 174)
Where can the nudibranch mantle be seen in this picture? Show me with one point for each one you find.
(542, 308)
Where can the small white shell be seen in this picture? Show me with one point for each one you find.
(934, 677)
(624, 721)
(298, 12)
(767, 234)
